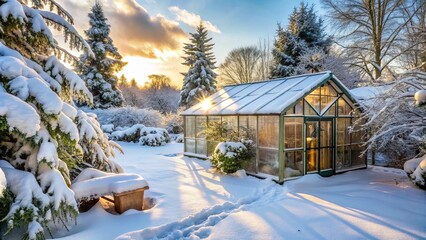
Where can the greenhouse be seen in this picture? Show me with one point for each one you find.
(299, 125)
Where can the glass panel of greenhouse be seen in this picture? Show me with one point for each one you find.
(268, 144)
(211, 145)
(298, 125)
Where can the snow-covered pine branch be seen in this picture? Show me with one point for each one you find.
(71, 34)
(42, 139)
(39, 20)
(96, 147)
(29, 199)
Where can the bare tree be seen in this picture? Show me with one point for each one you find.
(415, 32)
(132, 93)
(246, 64)
(265, 60)
(339, 64)
(371, 31)
(240, 66)
(157, 93)
(397, 126)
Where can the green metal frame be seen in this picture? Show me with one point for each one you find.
(345, 93)
(325, 173)
(281, 159)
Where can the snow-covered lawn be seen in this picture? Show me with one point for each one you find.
(194, 202)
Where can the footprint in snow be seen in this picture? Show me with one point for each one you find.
(170, 155)
(199, 225)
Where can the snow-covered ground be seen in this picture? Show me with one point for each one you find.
(194, 202)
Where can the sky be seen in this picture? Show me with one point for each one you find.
(150, 34)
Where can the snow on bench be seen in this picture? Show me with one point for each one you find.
(127, 189)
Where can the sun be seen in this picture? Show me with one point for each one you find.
(206, 104)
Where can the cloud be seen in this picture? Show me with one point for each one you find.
(134, 31)
(192, 19)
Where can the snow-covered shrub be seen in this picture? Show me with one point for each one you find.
(228, 157)
(416, 170)
(148, 136)
(127, 116)
(179, 138)
(154, 136)
(132, 134)
(108, 128)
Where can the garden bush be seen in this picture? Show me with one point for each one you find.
(148, 136)
(154, 136)
(177, 137)
(228, 157)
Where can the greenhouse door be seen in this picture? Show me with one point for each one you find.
(319, 146)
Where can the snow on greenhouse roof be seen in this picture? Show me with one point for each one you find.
(265, 97)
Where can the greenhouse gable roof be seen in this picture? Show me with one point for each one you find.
(265, 97)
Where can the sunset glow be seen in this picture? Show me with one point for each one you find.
(168, 63)
(140, 68)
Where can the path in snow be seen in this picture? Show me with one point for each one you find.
(199, 225)
(364, 204)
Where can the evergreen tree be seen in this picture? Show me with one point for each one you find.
(133, 83)
(200, 80)
(44, 139)
(99, 72)
(122, 81)
(304, 35)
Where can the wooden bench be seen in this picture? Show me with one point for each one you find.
(128, 200)
(127, 190)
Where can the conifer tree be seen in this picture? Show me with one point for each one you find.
(122, 81)
(303, 35)
(99, 72)
(44, 138)
(200, 80)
